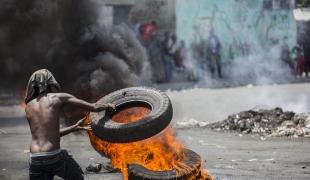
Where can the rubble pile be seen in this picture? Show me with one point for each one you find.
(274, 122)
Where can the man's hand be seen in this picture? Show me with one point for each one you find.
(76, 127)
(81, 126)
(100, 107)
(110, 107)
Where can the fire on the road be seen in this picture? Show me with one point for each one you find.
(159, 153)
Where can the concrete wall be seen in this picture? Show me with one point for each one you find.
(235, 22)
(162, 11)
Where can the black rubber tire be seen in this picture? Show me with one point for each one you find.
(193, 160)
(153, 123)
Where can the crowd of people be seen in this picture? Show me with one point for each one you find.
(300, 64)
(166, 53)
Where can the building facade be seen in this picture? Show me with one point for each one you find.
(139, 11)
(255, 24)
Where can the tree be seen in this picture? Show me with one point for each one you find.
(302, 3)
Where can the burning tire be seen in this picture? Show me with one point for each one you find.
(147, 126)
(193, 160)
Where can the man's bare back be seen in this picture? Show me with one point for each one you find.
(44, 106)
(43, 114)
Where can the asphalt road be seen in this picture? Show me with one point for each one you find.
(226, 155)
(213, 105)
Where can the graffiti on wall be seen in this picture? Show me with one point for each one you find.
(243, 26)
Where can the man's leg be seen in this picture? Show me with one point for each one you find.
(170, 72)
(205, 64)
(218, 64)
(36, 173)
(212, 65)
(306, 68)
(71, 169)
(41, 176)
(166, 67)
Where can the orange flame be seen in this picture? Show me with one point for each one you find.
(159, 153)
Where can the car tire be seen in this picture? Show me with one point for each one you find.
(158, 119)
(193, 160)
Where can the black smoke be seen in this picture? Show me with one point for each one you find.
(88, 59)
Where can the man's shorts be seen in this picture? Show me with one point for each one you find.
(47, 166)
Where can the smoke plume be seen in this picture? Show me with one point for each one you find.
(66, 38)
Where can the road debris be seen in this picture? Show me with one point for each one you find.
(94, 167)
(190, 123)
(273, 122)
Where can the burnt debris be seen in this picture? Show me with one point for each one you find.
(272, 122)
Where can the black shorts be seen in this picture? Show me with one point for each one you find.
(61, 164)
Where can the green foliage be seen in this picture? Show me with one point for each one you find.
(303, 3)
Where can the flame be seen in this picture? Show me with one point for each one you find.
(159, 153)
(131, 114)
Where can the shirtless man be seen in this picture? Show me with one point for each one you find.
(43, 109)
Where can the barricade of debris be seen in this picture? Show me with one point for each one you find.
(273, 122)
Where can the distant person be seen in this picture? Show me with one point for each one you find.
(148, 29)
(181, 55)
(306, 49)
(184, 62)
(135, 26)
(174, 48)
(300, 67)
(136, 29)
(285, 54)
(155, 57)
(167, 55)
(214, 54)
(44, 105)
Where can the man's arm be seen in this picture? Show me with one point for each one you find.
(67, 130)
(76, 127)
(95, 107)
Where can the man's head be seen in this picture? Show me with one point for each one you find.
(41, 81)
